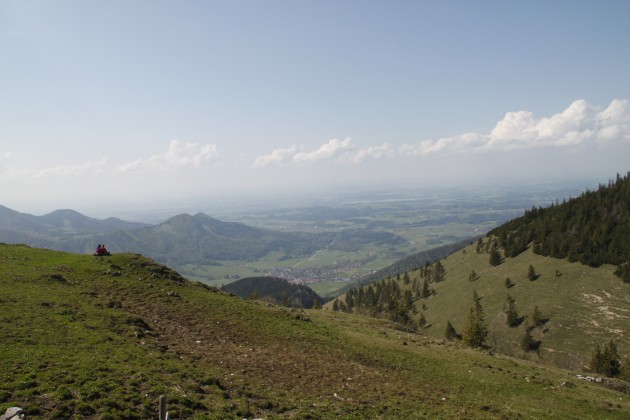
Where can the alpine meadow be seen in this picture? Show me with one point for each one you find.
(308, 209)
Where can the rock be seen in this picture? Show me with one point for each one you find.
(13, 413)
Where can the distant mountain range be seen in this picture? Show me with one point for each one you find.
(182, 239)
(60, 224)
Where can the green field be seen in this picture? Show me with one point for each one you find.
(87, 337)
(584, 306)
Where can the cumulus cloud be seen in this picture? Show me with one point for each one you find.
(333, 149)
(276, 156)
(72, 170)
(374, 152)
(614, 122)
(330, 150)
(578, 124)
(178, 155)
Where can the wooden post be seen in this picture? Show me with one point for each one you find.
(163, 413)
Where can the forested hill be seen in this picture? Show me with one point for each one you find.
(275, 290)
(414, 261)
(593, 228)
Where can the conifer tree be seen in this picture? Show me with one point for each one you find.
(512, 316)
(343, 307)
(451, 333)
(476, 331)
(479, 248)
(350, 301)
(531, 273)
(335, 305)
(537, 317)
(527, 342)
(623, 272)
(438, 271)
(606, 360)
(426, 292)
(495, 257)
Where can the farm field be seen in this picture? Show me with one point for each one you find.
(425, 219)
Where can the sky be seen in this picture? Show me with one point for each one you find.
(131, 103)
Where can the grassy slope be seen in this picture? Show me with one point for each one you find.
(104, 337)
(584, 305)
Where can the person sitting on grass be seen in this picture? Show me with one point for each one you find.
(100, 251)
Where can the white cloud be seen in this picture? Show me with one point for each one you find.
(333, 149)
(374, 152)
(330, 150)
(178, 155)
(72, 170)
(276, 156)
(580, 123)
(614, 122)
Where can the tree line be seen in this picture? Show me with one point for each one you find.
(593, 228)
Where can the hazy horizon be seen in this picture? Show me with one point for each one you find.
(228, 207)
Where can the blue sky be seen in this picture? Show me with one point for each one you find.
(137, 101)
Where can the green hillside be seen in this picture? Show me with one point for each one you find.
(567, 263)
(90, 337)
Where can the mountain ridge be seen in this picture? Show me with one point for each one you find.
(181, 239)
(60, 223)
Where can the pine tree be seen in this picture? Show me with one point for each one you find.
(451, 333)
(335, 305)
(426, 292)
(476, 331)
(495, 257)
(623, 272)
(406, 278)
(597, 360)
(606, 361)
(612, 360)
(513, 319)
(537, 317)
(343, 307)
(438, 271)
(527, 342)
(479, 248)
(531, 273)
(350, 301)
